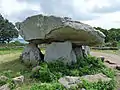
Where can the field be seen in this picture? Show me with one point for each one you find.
(10, 65)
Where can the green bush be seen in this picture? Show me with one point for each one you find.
(44, 74)
(51, 72)
(111, 44)
(2, 82)
(84, 66)
(100, 85)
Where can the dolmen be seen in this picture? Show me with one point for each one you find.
(65, 38)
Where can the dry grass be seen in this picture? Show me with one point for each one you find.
(10, 62)
(117, 52)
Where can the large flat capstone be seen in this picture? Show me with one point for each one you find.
(60, 51)
(44, 29)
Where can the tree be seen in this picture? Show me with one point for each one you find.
(7, 31)
(112, 34)
(105, 32)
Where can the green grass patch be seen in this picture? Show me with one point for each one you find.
(9, 50)
(100, 85)
(117, 52)
(49, 73)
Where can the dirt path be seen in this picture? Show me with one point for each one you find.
(115, 59)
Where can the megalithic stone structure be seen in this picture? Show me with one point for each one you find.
(64, 36)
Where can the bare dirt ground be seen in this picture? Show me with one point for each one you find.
(111, 57)
(114, 60)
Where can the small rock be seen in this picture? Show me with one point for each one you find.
(83, 89)
(96, 77)
(5, 87)
(102, 58)
(118, 67)
(18, 80)
(36, 69)
(35, 72)
(110, 62)
(3, 78)
(69, 81)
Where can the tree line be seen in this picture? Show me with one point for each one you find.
(112, 34)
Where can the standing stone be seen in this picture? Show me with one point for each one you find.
(86, 50)
(78, 51)
(60, 50)
(31, 54)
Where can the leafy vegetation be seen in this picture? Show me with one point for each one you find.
(100, 85)
(51, 72)
(7, 30)
(112, 34)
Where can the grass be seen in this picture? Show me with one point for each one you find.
(11, 67)
(51, 72)
(9, 50)
(117, 52)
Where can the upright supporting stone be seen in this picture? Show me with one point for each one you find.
(31, 54)
(86, 50)
(78, 51)
(81, 51)
(60, 50)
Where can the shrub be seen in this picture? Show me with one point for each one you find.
(100, 85)
(2, 82)
(9, 74)
(44, 74)
(51, 72)
(114, 44)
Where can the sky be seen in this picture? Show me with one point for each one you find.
(97, 13)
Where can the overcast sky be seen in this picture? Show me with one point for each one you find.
(102, 13)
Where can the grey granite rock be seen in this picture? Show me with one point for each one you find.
(96, 77)
(31, 54)
(5, 87)
(19, 80)
(44, 29)
(60, 50)
(70, 81)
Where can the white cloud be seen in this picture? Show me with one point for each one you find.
(89, 5)
(83, 10)
(109, 20)
(8, 8)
